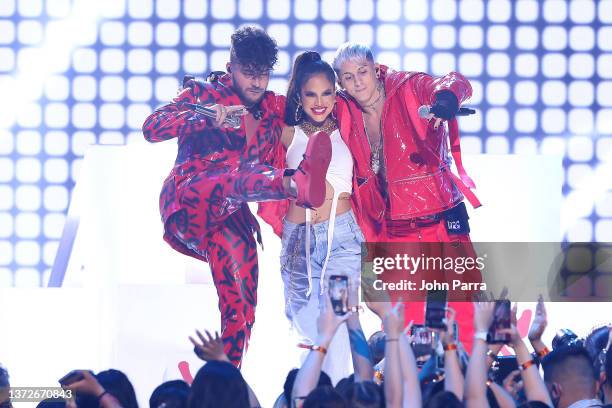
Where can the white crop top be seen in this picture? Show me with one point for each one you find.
(340, 171)
(339, 176)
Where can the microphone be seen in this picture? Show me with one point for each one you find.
(425, 110)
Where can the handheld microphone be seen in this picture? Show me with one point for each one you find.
(425, 110)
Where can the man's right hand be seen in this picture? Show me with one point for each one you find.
(223, 111)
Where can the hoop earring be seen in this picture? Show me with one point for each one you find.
(298, 112)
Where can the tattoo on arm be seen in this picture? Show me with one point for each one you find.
(359, 343)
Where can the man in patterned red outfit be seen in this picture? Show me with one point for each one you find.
(220, 169)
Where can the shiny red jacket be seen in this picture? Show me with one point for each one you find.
(416, 157)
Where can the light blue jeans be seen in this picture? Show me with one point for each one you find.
(344, 259)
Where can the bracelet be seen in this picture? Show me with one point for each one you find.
(450, 346)
(99, 397)
(527, 364)
(313, 347)
(542, 353)
(481, 336)
(355, 309)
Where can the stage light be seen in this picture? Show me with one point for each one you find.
(112, 60)
(471, 37)
(497, 120)
(27, 197)
(554, 93)
(388, 36)
(169, 9)
(27, 225)
(580, 148)
(28, 170)
(165, 87)
(250, 9)
(498, 65)
(471, 11)
(84, 60)
(526, 65)
(136, 115)
(525, 145)
(525, 120)
(140, 33)
(580, 120)
(84, 115)
(278, 9)
(194, 34)
(305, 35)
(604, 205)
(7, 142)
(415, 36)
(112, 9)
(581, 93)
(553, 120)
(605, 11)
(526, 37)
(29, 116)
(140, 61)
(112, 33)
(140, 8)
(580, 231)
(477, 92)
(167, 34)
(554, 65)
(604, 93)
(555, 11)
(111, 138)
(81, 140)
(554, 38)
(582, 38)
(56, 115)
(29, 142)
(111, 116)
(6, 225)
(603, 231)
(499, 11)
(470, 124)
(361, 33)
(470, 64)
(498, 37)
(26, 277)
(30, 8)
(443, 37)
(497, 145)
(30, 32)
(167, 61)
(58, 8)
(389, 58)
(333, 35)
(306, 9)
(388, 10)
(57, 88)
(195, 9)
(582, 65)
(416, 10)
(194, 61)
(444, 10)
(471, 144)
(6, 252)
(415, 61)
(56, 198)
(526, 10)
(223, 9)
(498, 92)
(56, 171)
(604, 148)
(7, 169)
(442, 62)
(112, 88)
(220, 34)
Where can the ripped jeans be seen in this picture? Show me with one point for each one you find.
(344, 259)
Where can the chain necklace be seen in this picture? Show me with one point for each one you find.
(381, 92)
(374, 150)
(328, 127)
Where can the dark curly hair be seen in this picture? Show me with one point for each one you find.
(253, 48)
(306, 65)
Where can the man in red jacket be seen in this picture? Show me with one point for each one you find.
(219, 169)
(404, 190)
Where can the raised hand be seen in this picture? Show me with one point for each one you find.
(539, 323)
(209, 348)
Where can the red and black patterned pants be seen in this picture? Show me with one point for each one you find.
(215, 224)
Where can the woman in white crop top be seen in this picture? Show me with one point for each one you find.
(325, 241)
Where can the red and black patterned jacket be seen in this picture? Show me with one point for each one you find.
(203, 147)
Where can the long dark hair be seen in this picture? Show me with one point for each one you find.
(306, 65)
(218, 384)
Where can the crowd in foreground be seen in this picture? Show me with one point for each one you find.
(389, 370)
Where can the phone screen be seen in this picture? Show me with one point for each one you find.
(505, 365)
(422, 343)
(501, 321)
(435, 309)
(338, 293)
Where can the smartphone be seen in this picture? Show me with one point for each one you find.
(505, 365)
(435, 309)
(338, 293)
(71, 377)
(422, 343)
(501, 321)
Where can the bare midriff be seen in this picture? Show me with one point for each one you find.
(297, 215)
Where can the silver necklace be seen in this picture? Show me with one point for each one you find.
(374, 151)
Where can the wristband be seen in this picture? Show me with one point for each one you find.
(99, 397)
(388, 340)
(313, 347)
(450, 346)
(481, 335)
(527, 364)
(542, 353)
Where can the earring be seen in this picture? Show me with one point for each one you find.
(298, 112)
